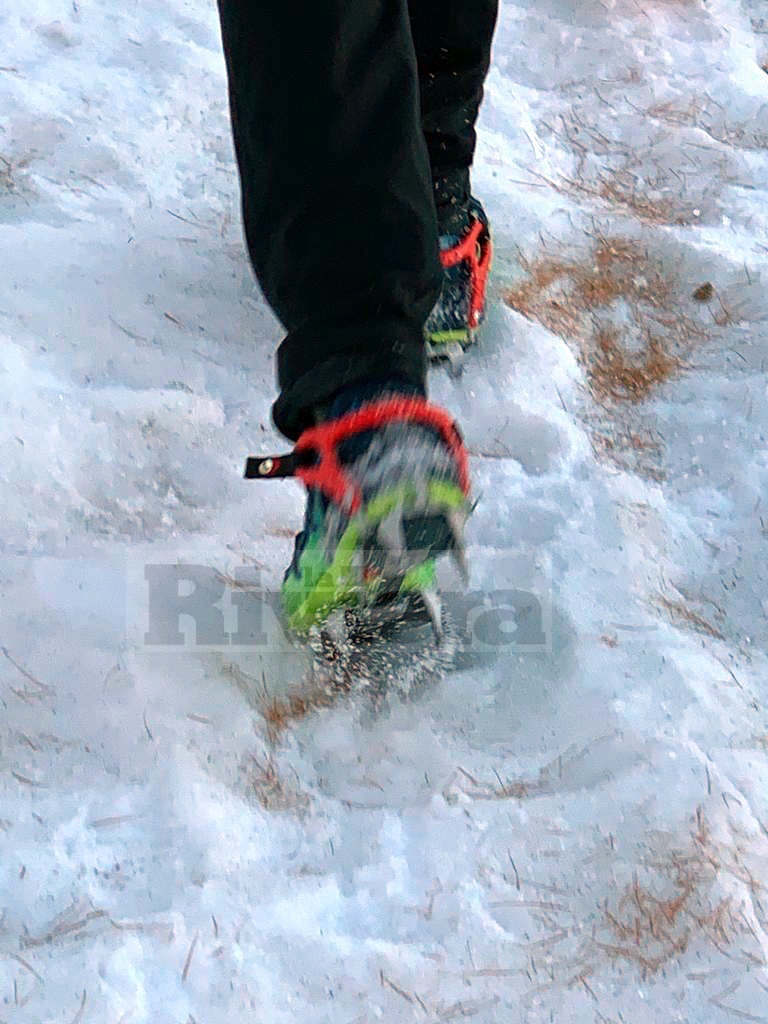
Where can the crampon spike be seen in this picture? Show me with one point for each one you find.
(454, 356)
(459, 556)
(390, 533)
(434, 607)
(456, 522)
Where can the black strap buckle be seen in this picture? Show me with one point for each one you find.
(270, 467)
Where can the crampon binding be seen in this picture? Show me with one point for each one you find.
(388, 487)
(454, 322)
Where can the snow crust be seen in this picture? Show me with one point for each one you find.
(574, 834)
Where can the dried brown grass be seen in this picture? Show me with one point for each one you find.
(268, 787)
(646, 202)
(279, 713)
(681, 614)
(575, 298)
(635, 449)
(686, 899)
(616, 374)
(14, 175)
(315, 691)
(548, 779)
(654, 922)
(623, 312)
(654, 202)
(673, 113)
(72, 923)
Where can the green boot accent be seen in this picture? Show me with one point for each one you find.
(322, 584)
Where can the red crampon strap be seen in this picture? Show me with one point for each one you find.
(315, 461)
(476, 250)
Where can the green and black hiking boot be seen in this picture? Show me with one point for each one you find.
(387, 493)
(466, 257)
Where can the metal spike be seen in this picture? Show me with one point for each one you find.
(329, 648)
(434, 607)
(456, 521)
(459, 556)
(390, 533)
(334, 631)
(454, 354)
(350, 619)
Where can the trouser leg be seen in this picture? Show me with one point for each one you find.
(336, 190)
(452, 39)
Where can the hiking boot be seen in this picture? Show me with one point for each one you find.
(453, 323)
(387, 493)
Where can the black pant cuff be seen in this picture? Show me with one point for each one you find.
(345, 356)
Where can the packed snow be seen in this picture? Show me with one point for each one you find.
(574, 830)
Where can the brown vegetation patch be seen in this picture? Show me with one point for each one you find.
(655, 921)
(621, 309)
(266, 784)
(71, 924)
(651, 209)
(14, 175)
(672, 113)
(635, 449)
(323, 687)
(690, 898)
(549, 778)
(646, 200)
(615, 374)
(682, 615)
(280, 712)
(318, 689)
(651, 202)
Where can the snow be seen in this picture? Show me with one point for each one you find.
(574, 834)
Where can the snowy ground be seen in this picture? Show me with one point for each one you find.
(574, 835)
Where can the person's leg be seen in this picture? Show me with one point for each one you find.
(452, 39)
(336, 191)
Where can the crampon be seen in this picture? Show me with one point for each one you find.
(453, 324)
(388, 494)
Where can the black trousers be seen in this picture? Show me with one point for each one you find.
(354, 131)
